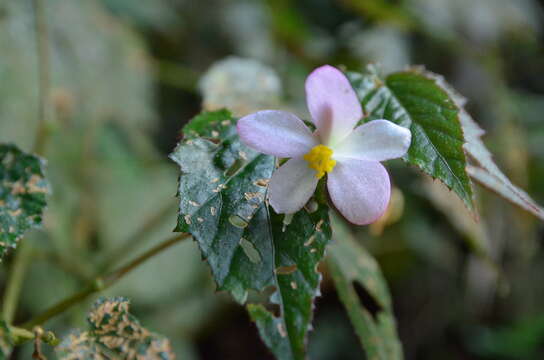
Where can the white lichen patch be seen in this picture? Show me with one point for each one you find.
(254, 195)
(281, 330)
(262, 182)
(318, 225)
(310, 240)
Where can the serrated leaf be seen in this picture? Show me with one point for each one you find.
(222, 192)
(6, 341)
(415, 101)
(351, 264)
(114, 333)
(298, 249)
(482, 168)
(23, 188)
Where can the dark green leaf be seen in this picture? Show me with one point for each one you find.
(351, 266)
(298, 249)
(482, 167)
(222, 189)
(414, 100)
(212, 124)
(222, 192)
(114, 333)
(23, 188)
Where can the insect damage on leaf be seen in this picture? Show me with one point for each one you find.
(23, 190)
(114, 332)
(246, 244)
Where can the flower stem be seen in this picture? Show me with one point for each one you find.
(101, 283)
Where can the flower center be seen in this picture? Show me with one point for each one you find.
(320, 159)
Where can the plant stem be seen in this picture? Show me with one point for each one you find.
(15, 281)
(101, 283)
(139, 236)
(23, 254)
(42, 50)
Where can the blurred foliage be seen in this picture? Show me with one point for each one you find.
(124, 79)
(23, 188)
(114, 333)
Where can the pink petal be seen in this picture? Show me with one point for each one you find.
(333, 104)
(376, 140)
(360, 190)
(291, 186)
(277, 133)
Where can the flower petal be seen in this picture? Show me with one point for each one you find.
(333, 104)
(277, 133)
(360, 190)
(291, 186)
(377, 140)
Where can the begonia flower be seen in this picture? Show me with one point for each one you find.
(357, 182)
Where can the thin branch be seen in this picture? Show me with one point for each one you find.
(139, 236)
(101, 283)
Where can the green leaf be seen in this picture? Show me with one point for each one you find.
(414, 100)
(222, 191)
(212, 124)
(482, 168)
(351, 264)
(6, 341)
(23, 188)
(298, 249)
(114, 333)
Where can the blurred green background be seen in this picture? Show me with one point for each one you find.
(126, 75)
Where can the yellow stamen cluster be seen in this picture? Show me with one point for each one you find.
(320, 159)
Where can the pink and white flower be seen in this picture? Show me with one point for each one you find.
(357, 183)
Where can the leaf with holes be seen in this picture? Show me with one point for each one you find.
(352, 267)
(482, 168)
(114, 334)
(23, 188)
(222, 190)
(414, 100)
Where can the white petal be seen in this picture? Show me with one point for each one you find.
(277, 133)
(291, 186)
(377, 140)
(360, 190)
(333, 104)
